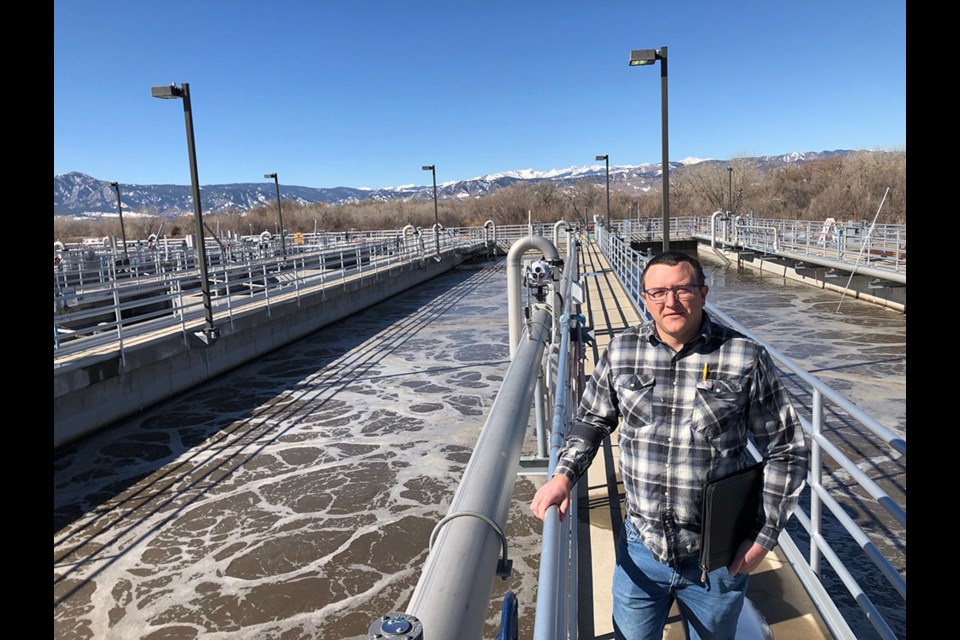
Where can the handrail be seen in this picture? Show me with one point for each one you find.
(99, 301)
(158, 283)
(557, 605)
(626, 264)
(829, 243)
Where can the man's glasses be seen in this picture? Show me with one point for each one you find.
(683, 292)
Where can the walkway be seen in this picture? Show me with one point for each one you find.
(776, 593)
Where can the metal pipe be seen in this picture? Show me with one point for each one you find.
(541, 427)
(827, 609)
(571, 612)
(560, 224)
(551, 591)
(459, 570)
(493, 227)
(490, 244)
(436, 233)
(514, 275)
(815, 474)
(713, 228)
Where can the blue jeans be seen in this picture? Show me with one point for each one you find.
(644, 589)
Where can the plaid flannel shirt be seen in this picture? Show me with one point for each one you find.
(681, 425)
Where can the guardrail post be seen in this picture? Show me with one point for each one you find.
(816, 480)
(118, 314)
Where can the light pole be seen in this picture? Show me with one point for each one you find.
(644, 57)
(123, 234)
(276, 182)
(606, 158)
(168, 92)
(730, 189)
(436, 211)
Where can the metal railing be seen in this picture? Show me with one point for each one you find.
(108, 297)
(878, 247)
(831, 421)
(105, 298)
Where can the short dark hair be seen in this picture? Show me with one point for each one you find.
(672, 259)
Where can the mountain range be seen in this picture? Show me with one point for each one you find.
(80, 195)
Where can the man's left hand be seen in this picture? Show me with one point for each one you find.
(748, 558)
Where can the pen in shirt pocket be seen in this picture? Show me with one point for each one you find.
(704, 382)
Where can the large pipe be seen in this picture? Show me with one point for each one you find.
(713, 228)
(556, 231)
(514, 276)
(490, 243)
(437, 228)
(413, 231)
(459, 571)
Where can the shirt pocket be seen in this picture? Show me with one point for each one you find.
(635, 397)
(718, 412)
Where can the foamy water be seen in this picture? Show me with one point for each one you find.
(293, 498)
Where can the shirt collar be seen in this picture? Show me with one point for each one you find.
(708, 328)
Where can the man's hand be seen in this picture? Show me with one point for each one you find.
(555, 492)
(748, 558)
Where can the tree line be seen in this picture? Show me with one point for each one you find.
(847, 187)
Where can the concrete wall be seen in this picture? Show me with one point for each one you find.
(94, 394)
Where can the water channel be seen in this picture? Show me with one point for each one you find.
(294, 497)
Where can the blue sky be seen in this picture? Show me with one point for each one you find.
(362, 94)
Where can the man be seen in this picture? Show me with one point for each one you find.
(686, 392)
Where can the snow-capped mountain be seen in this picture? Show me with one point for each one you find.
(78, 194)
